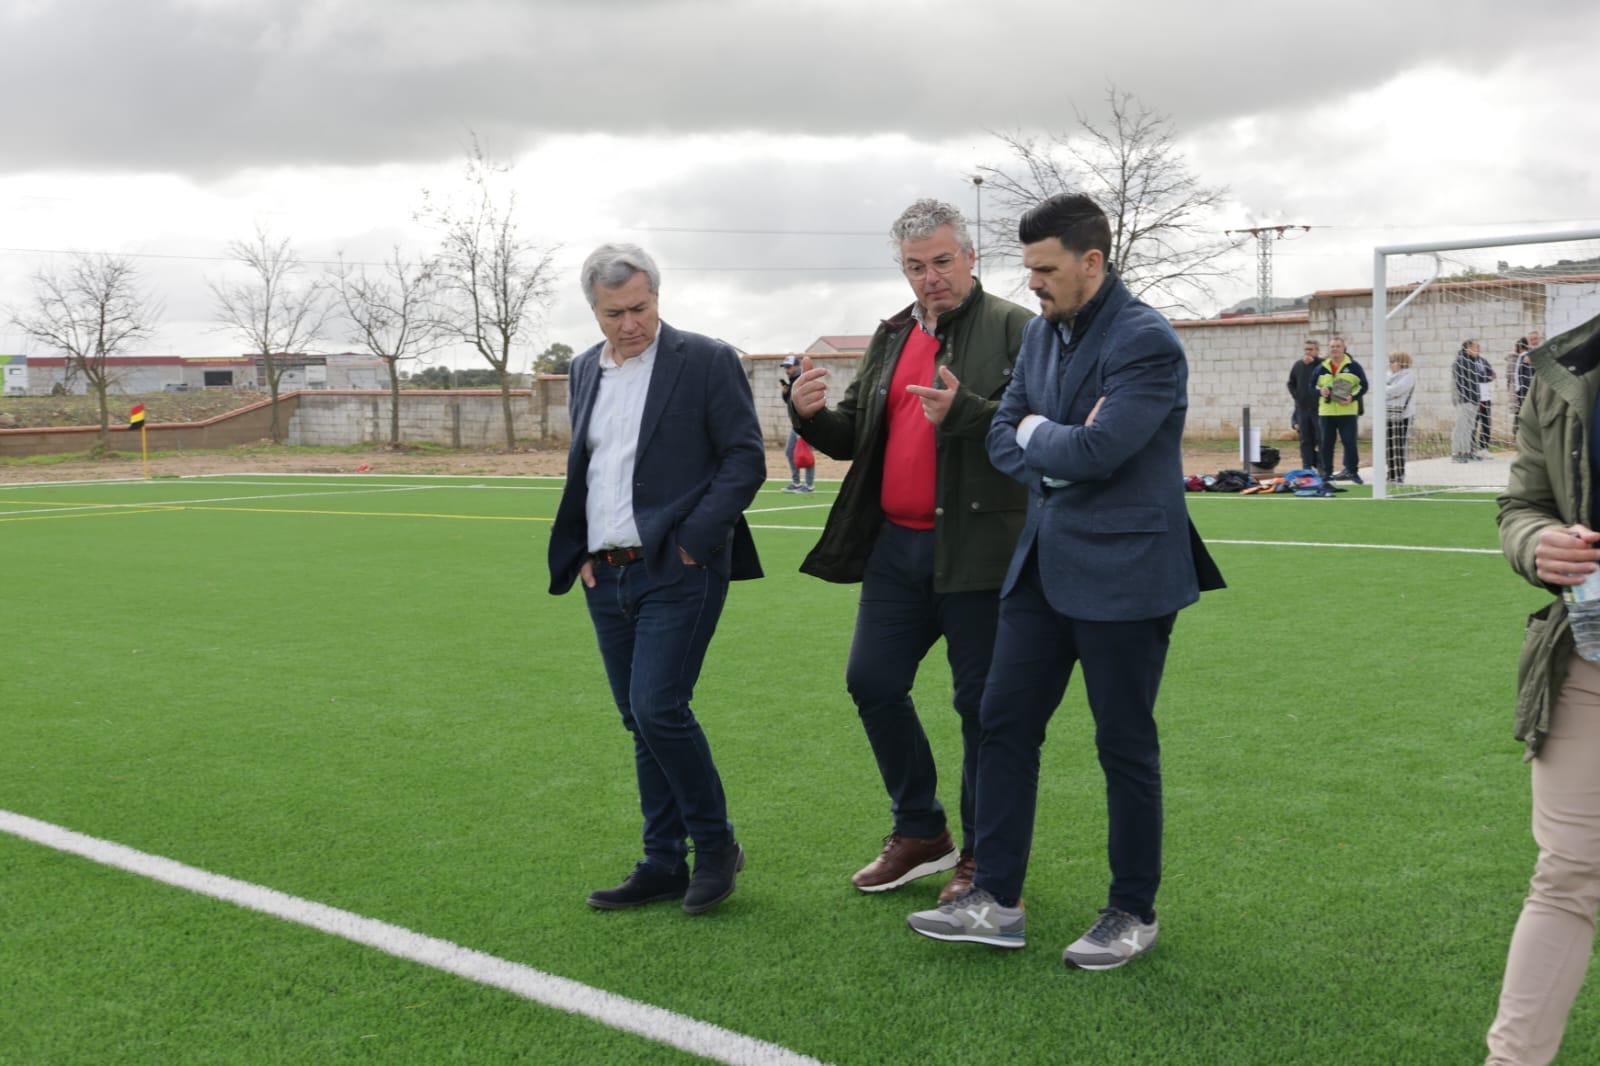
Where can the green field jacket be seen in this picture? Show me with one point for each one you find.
(978, 510)
(1549, 486)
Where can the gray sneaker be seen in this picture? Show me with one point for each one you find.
(974, 918)
(1115, 937)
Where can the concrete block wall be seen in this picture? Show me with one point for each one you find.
(456, 418)
(1233, 362)
(763, 372)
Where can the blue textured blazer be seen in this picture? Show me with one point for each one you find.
(1115, 543)
(700, 460)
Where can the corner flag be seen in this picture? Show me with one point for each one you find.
(136, 417)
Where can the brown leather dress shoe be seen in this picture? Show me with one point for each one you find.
(905, 859)
(960, 882)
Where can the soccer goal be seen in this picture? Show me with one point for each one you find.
(1454, 427)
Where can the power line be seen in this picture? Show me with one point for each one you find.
(762, 232)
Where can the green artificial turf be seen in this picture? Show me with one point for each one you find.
(358, 691)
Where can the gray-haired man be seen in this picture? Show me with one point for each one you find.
(923, 521)
(666, 455)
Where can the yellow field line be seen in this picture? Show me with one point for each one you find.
(95, 514)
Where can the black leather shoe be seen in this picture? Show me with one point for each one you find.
(713, 878)
(646, 884)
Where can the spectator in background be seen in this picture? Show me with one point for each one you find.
(1399, 399)
(1342, 386)
(1516, 367)
(1469, 440)
(1303, 388)
(1522, 379)
(789, 369)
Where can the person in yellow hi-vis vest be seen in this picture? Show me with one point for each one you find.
(1341, 385)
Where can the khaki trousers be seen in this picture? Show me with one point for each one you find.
(1555, 934)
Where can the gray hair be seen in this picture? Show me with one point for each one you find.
(918, 222)
(611, 265)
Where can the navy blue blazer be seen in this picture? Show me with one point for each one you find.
(1115, 544)
(700, 460)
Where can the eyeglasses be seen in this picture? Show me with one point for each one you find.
(944, 266)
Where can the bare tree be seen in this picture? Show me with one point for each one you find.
(1132, 167)
(273, 312)
(89, 312)
(393, 316)
(493, 280)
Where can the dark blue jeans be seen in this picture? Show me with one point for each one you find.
(653, 639)
(1339, 429)
(1035, 651)
(899, 619)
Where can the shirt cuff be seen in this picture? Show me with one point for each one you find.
(1026, 427)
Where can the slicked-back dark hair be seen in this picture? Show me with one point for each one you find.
(1072, 218)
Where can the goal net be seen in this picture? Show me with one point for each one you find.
(1457, 319)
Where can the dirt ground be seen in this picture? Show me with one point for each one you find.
(1205, 457)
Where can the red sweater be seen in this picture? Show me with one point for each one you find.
(910, 463)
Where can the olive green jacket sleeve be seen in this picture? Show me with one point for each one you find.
(971, 412)
(1539, 494)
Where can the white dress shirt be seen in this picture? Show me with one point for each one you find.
(1029, 423)
(613, 444)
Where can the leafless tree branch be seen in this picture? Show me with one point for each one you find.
(1159, 210)
(274, 313)
(493, 282)
(90, 311)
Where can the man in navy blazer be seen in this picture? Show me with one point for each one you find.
(1092, 424)
(666, 454)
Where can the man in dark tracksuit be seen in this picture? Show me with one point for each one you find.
(923, 521)
(1303, 387)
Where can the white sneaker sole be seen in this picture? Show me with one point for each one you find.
(927, 869)
(1010, 943)
(1073, 964)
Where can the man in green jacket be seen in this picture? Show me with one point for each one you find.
(1547, 519)
(923, 521)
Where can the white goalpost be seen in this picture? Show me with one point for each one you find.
(1490, 296)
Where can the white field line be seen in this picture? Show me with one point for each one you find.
(798, 507)
(223, 499)
(4, 485)
(1193, 496)
(1268, 543)
(368, 475)
(1373, 547)
(618, 1012)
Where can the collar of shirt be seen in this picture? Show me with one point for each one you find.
(921, 317)
(608, 356)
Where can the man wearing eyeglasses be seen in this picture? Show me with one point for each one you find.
(923, 521)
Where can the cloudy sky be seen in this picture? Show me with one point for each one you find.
(759, 149)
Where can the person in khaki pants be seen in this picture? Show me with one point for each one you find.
(1547, 532)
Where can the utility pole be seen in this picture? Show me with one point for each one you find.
(1264, 236)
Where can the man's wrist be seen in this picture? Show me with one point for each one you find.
(1026, 428)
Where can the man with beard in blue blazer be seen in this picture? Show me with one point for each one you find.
(1092, 423)
(666, 454)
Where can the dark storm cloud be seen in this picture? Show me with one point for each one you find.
(207, 86)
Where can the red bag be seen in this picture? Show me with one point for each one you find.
(803, 455)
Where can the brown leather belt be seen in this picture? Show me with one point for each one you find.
(619, 556)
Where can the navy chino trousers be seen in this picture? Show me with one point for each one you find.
(1035, 652)
(899, 620)
(653, 639)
